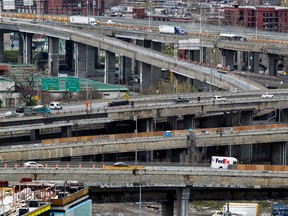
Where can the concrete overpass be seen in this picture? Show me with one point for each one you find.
(165, 185)
(149, 141)
(112, 45)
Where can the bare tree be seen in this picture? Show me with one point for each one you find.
(26, 82)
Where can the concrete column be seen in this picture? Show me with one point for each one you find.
(109, 71)
(97, 60)
(156, 71)
(27, 48)
(172, 122)
(189, 121)
(66, 131)
(228, 57)
(125, 68)
(167, 208)
(149, 124)
(272, 59)
(284, 115)
(1, 47)
(20, 51)
(34, 134)
(246, 118)
(80, 60)
(255, 62)
(53, 56)
(240, 60)
(90, 60)
(183, 196)
(203, 55)
(69, 47)
(140, 65)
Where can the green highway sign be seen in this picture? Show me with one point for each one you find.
(50, 84)
(69, 84)
(72, 84)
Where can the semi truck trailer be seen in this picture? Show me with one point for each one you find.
(171, 30)
(83, 20)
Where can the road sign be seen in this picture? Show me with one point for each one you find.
(36, 97)
(126, 96)
(69, 84)
(50, 84)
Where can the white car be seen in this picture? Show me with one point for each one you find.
(11, 114)
(267, 95)
(32, 164)
(218, 98)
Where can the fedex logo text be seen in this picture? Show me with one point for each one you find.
(223, 161)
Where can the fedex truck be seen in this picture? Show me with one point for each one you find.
(219, 162)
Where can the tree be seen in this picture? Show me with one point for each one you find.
(26, 82)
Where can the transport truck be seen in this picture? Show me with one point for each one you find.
(167, 29)
(219, 162)
(239, 209)
(83, 20)
(37, 110)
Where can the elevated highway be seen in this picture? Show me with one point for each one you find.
(147, 141)
(132, 51)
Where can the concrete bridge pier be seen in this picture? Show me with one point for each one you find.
(69, 47)
(172, 122)
(167, 208)
(1, 47)
(279, 153)
(272, 60)
(246, 117)
(34, 134)
(66, 131)
(27, 48)
(53, 56)
(156, 71)
(240, 60)
(149, 124)
(228, 57)
(183, 195)
(125, 69)
(80, 60)
(284, 116)
(20, 51)
(189, 121)
(90, 60)
(193, 55)
(109, 71)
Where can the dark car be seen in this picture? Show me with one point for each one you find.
(20, 109)
(181, 100)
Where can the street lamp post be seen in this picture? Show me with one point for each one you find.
(140, 195)
(149, 14)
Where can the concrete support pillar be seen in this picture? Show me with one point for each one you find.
(20, 51)
(156, 71)
(149, 125)
(246, 118)
(80, 60)
(126, 69)
(255, 62)
(167, 208)
(228, 57)
(90, 60)
(172, 122)
(203, 55)
(53, 56)
(240, 60)
(69, 47)
(272, 59)
(183, 196)
(1, 47)
(97, 60)
(34, 134)
(27, 48)
(284, 116)
(66, 131)
(189, 121)
(109, 71)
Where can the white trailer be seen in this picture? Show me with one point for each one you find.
(171, 29)
(243, 209)
(222, 162)
(83, 20)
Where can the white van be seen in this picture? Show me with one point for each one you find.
(54, 105)
(222, 162)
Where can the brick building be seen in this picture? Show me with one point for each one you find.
(267, 18)
(62, 7)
